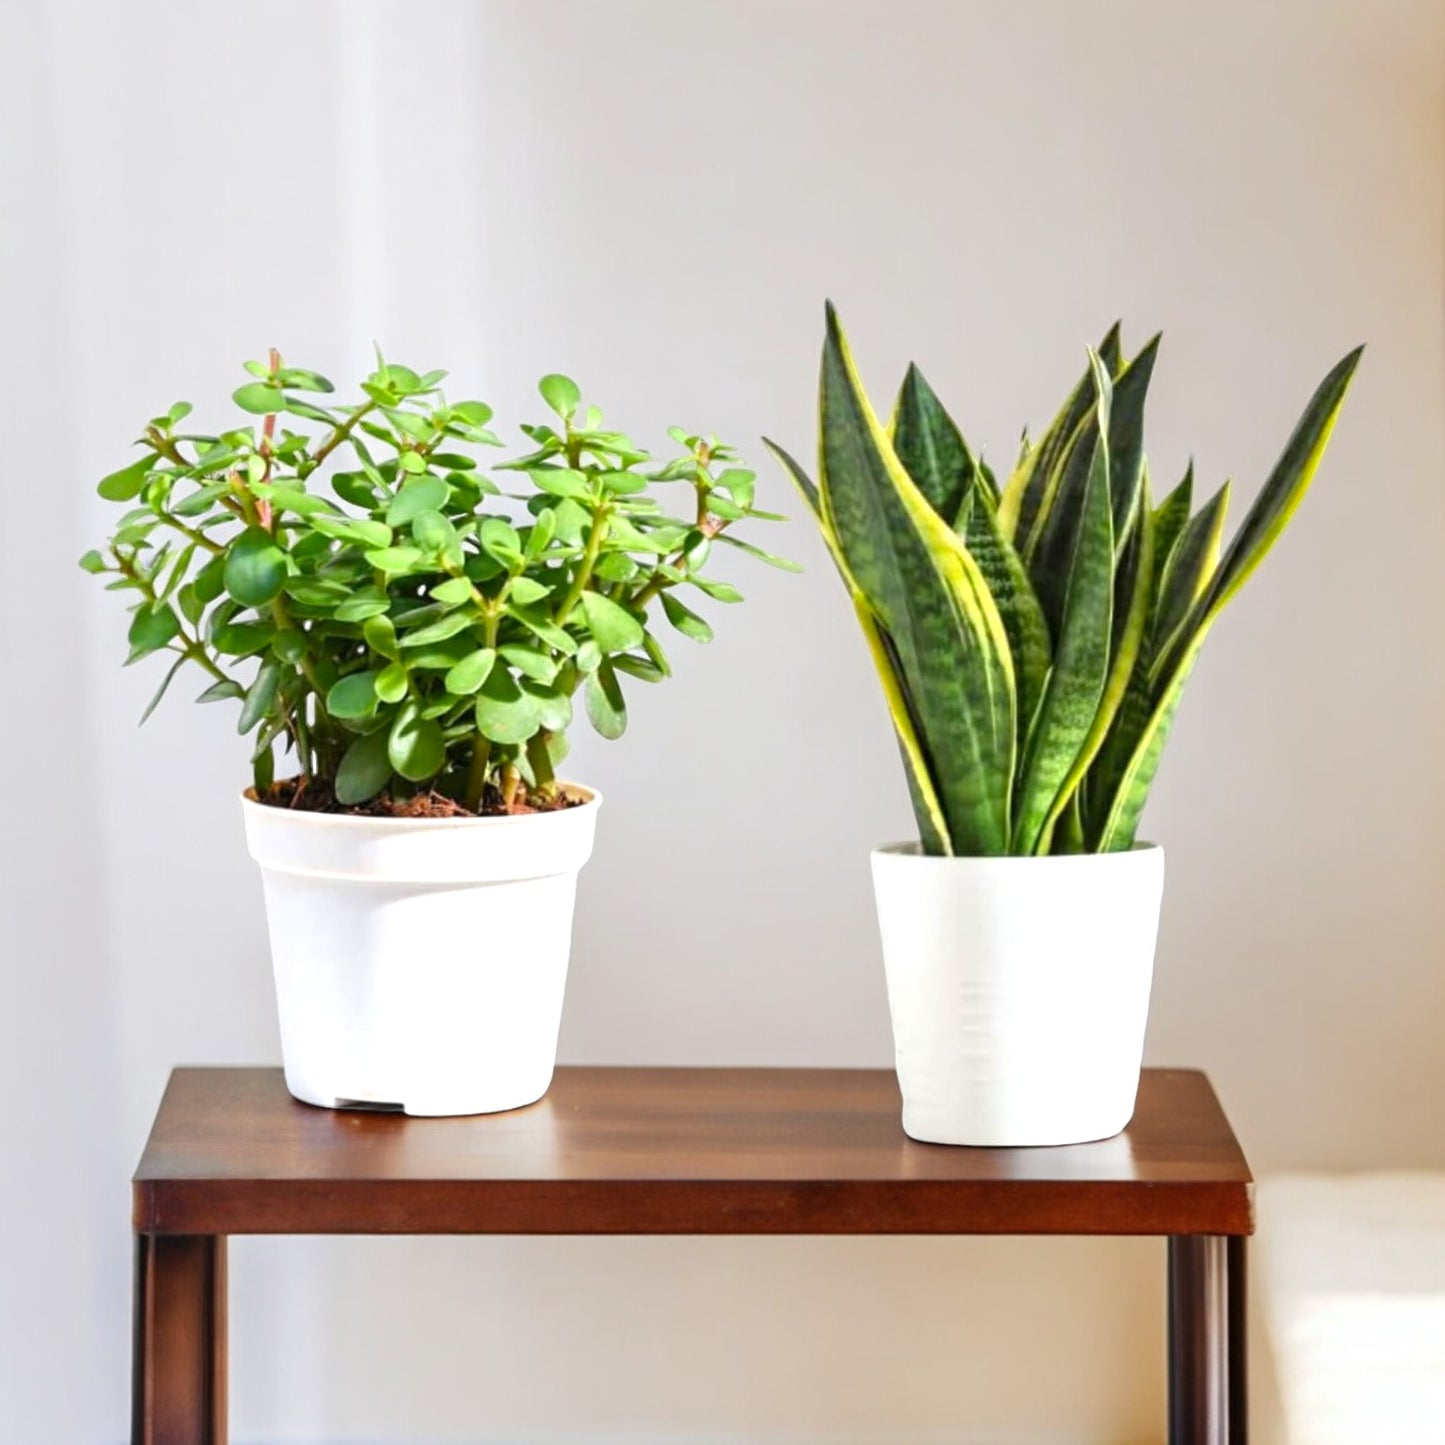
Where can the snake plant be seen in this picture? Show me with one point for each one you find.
(1033, 639)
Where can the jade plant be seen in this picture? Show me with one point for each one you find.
(1034, 637)
(390, 615)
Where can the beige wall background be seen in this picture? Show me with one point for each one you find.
(655, 197)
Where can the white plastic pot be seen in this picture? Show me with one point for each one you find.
(1019, 990)
(420, 963)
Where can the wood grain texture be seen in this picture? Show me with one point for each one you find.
(178, 1384)
(673, 1151)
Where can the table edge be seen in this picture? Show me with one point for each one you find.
(694, 1207)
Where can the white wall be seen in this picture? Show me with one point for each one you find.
(655, 198)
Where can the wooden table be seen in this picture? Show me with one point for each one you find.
(668, 1151)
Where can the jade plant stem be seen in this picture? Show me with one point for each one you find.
(596, 535)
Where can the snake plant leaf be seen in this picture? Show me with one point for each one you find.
(1018, 605)
(1132, 718)
(1035, 481)
(922, 791)
(1276, 503)
(1076, 681)
(1068, 833)
(1170, 518)
(1186, 577)
(811, 496)
(964, 517)
(930, 598)
(1134, 573)
(1039, 637)
(1049, 562)
(1126, 439)
(932, 825)
(1121, 822)
(931, 448)
(1111, 350)
(1182, 582)
(1284, 489)
(1130, 622)
(807, 488)
(988, 480)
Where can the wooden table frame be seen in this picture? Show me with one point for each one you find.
(669, 1151)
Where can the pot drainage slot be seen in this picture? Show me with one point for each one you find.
(371, 1106)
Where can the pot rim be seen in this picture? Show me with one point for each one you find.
(591, 798)
(910, 850)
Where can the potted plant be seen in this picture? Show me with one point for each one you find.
(1033, 640)
(413, 638)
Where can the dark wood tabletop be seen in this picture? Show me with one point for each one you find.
(673, 1151)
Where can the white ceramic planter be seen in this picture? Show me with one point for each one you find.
(420, 963)
(1019, 990)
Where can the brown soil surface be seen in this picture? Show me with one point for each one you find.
(314, 795)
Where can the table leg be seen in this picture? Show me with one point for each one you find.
(178, 1381)
(1208, 1400)
(1238, 1340)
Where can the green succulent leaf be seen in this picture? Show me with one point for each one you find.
(530, 662)
(222, 691)
(126, 484)
(426, 494)
(783, 564)
(505, 713)
(554, 709)
(561, 394)
(365, 769)
(260, 697)
(415, 747)
(361, 530)
(606, 707)
(255, 568)
(259, 398)
(352, 696)
(380, 635)
(392, 682)
(453, 592)
(241, 639)
(361, 606)
(445, 627)
(161, 691)
(561, 482)
(499, 538)
(465, 677)
(153, 626)
(525, 591)
(395, 561)
(612, 627)
(687, 622)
